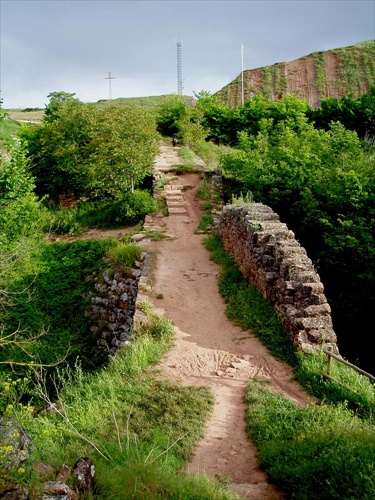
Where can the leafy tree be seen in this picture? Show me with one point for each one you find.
(168, 115)
(321, 183)
(355, 114)
(56, 99)
(3, 113)
(86, 152)
(19, 208)
(124, 149)
(60, 149)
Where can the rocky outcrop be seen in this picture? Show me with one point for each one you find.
(271, 258)
(332, 73)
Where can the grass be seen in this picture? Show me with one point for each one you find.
(149, 102)
(187, 157)
(324, 451)
(206, 220)
(30, 114)
(138, 430)
(8, 129)
(126, 211)
(124, 255)
(315, 453)
(58, 284)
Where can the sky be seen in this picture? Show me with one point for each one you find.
(125, 48)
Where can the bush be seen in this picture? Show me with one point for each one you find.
(125, 254)
(125, 211)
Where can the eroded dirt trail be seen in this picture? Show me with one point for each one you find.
(210, 350)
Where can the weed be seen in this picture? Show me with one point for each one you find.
(124, 254)
(147, 427)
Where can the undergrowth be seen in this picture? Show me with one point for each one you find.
(318, 452)
(324, 451)
(138, 430)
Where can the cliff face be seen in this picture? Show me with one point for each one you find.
(332, 73)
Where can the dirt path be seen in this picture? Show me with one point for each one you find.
(209, 349)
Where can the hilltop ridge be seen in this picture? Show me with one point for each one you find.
(331, 73)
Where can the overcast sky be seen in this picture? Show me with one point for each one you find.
(72, 45)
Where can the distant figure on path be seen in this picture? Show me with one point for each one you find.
(174, 141)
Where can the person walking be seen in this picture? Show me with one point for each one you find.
(174, 141)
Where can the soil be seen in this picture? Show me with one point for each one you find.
(208, 349)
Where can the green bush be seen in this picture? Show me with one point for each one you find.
(125, 254)
(125, 211)
(105, 214)
(315, 453)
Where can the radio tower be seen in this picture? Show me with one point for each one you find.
(179, 70)
(110, 78)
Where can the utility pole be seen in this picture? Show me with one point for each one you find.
(242, 87)
(179, 69)
(110, 78)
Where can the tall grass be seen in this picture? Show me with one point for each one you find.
(315, 453)
(325, 451)
(137, 429)
(8, 129)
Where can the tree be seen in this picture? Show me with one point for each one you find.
(56, 99)
(60, 148)
(19, 207)
(124, 149)
(168, 115)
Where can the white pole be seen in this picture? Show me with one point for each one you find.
(243, 95)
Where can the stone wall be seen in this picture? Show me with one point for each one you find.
(271, 258)
(114, 303)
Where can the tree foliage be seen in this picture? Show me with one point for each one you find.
(322, 183)
(355, 114)
(168, 115)
(19, 207)
(124, 149)
(81, 151)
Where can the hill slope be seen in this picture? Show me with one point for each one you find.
(331, 73)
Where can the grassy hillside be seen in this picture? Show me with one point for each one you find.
(331, 73)
(150, 102)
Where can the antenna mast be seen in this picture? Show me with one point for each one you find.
(242, 86)
(179, 69)
(110, 78)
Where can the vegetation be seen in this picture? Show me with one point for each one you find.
(318, 452)
(88, 165)
(315, 169)
(352, 72)
(79, 151)
(137, 430)
(322, 451)
(321, 184)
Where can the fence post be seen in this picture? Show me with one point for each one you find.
(329, 361)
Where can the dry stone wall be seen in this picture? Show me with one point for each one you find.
(271, 258)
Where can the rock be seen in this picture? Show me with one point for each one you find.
(63, 474)
(273, 261)
(84, 472)
(46, 472)
(19, 443)
(15, 494)
(56, 490)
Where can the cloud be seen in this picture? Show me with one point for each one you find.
(71, 45)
